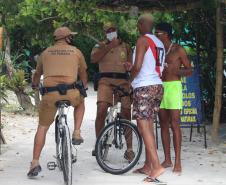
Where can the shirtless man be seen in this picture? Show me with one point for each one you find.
(177, 65)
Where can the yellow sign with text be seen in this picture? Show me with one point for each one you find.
(191, 111)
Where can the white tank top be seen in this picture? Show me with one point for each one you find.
(148, 74)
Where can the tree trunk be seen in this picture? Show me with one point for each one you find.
(7, 58)
(23, 98)
(2, 139)
(219, 75)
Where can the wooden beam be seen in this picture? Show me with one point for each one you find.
(171, 8)
(222, 11)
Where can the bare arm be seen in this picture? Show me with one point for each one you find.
(141, 47)
(82, 71)
(128, 64)
(84, 77)
(102, 50)
(37, 74)
(129, 54)
(187, 68)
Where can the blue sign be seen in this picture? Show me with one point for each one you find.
(191, 112)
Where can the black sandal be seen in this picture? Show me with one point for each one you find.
(154, 180)
(34, 171)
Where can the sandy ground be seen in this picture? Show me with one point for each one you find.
(200, 166)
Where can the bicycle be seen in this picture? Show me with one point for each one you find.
(113, 139)
(64, 155)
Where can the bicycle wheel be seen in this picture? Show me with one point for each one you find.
(67, 156)
(58, 141)
(111, 146)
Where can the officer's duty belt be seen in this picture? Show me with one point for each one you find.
(98, 76)
(113, 75)
(62, 89)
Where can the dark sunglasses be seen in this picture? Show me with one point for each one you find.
(159, 33)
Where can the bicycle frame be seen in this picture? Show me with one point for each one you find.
(60, 125)
(113, 115)
(64, 147)
(110, 143)
(113, 112)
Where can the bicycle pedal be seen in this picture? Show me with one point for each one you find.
(74, 159)
(51, 165)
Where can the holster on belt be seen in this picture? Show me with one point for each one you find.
(62, 88)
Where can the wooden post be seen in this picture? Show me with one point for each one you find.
(219, 73)
(1, 37)
(2, 140)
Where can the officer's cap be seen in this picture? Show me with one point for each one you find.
(108, 25)
(63, 32)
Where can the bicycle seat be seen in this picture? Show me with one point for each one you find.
(120, 90)
(66, 103)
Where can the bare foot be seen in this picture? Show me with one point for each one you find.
(157, 172)
(34, 163)
(167, 164)
(144, 170)
(177, 169)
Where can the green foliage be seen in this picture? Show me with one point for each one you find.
(17, 82)
(195, 30)
(82, 42)
(20, 61)
(3, 94)
(1, 61)
(198, 33)
(30, 24)
(3, 80)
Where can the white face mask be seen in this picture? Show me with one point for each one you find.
(112, 35)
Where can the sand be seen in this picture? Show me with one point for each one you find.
(200, 166)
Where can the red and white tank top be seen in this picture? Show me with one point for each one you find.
(153, 62)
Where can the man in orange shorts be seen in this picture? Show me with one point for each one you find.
(59, 64)
(111, 55)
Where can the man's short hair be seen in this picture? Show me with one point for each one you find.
(147, 17)
(166, 27)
